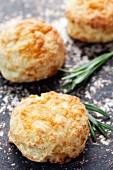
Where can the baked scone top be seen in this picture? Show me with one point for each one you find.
(51, 127)
(30, 50)
(95, 13)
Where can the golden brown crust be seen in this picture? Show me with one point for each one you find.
(90, 21)
(30, 50)
(52, 127)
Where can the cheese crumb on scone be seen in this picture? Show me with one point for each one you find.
(51, 127)
(30, 50)
(90, 20)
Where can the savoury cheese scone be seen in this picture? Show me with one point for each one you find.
(51, 127)
(30, 50)
(90, 20)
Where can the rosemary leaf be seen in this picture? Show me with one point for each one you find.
(103, 132)
(66, 84)
(96, 109)
(92, 131)
(94, 128)
(105, 125)
(72, 75)
(81, 67)
(93, 120)
(64, 70)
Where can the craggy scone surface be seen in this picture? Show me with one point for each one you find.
(52, 127)
(30, 50)
(90, 20)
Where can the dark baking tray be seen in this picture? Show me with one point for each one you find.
(98, 90)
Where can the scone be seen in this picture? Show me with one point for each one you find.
(90, 20)
(51, 127)
(30, 50)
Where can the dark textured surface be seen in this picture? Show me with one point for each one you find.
(98, 90)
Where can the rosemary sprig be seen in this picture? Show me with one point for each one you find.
(82, 73)
(94, 124)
